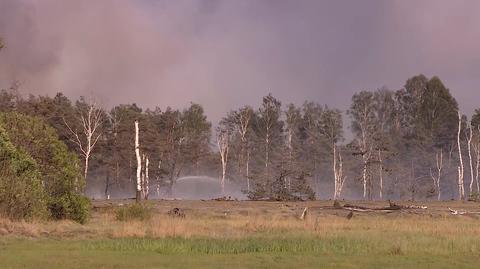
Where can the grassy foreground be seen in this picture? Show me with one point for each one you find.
(235, 253)
(251, 235)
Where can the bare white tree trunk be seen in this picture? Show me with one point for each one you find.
(147, 183)
(244, 118)
(223, 139)
(85, 169)
(469, 147)
(91, 119)
(142, 176)
(476, 147)
(290, 156)
(268, 126)
(366, 152)
(335, 191)
(364, 179)
(436, 178)
(158, 178)
(461, 187)
(248, 171)
(338, 173)
(139, 163)
(380, 161)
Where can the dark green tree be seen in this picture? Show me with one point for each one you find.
(197, 132)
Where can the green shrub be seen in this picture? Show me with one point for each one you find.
(21, 191)
(21, 197)
(136, 211)
(32, 151)
(72, 206)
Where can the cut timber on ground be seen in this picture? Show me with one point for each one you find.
(392, 207)
(304, 213)
(462, 212)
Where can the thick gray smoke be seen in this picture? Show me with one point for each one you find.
(227, 53)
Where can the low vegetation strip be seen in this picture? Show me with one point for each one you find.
(261, 251)
(54, 254)
(334, 245)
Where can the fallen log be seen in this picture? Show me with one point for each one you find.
(225, 198)
(462, 212)
(367, 209)
(392, 207)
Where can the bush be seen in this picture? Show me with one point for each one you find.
(21, 197)
(73, 206)
(136, 211)
(32, 151)
(21, 192)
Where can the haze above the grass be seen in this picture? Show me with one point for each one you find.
(224, 54)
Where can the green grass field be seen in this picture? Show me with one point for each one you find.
(239, 253)
(269, 236)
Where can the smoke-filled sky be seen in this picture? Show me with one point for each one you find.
(227, 53)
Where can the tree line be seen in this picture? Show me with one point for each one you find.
(412, 143)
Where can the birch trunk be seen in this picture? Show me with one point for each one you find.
(436, 178)
(338, 173)
(469, 147)
(243, 123)
(364, 179)
(381, 173)
(461, 187)
(365, 159)
(335, 172)
(248, 172)
(158, 179)
(478, 161)
(147, 183)
(223, 146)
(477, 168)
(139, 164)
(290, 157)
(144, 178)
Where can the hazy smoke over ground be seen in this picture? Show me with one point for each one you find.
(173, 52)
(203, 187)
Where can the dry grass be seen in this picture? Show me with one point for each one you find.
(238, 220)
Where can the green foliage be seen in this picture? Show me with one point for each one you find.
(136, 211)
(248, 253)
(70, 206)
(21, 191)
(51, 162)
